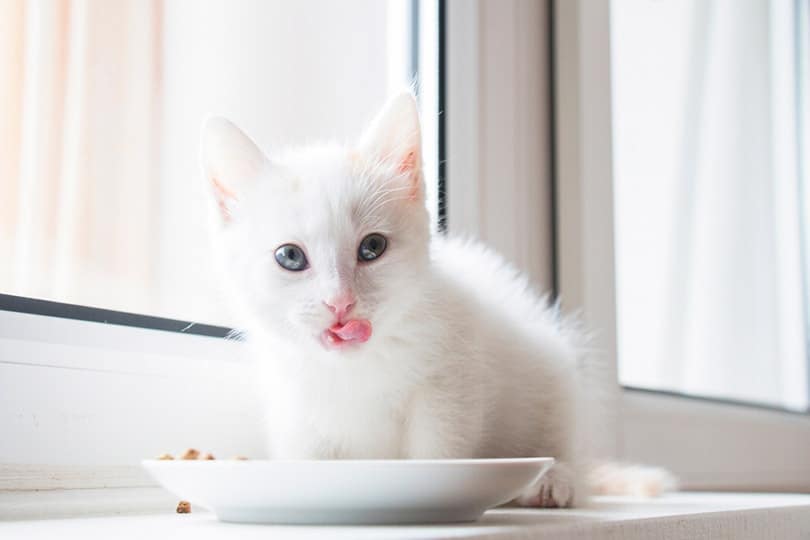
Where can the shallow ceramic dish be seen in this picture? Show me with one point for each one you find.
(349, 491)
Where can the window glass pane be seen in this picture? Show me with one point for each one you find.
(101, 201)
(708, 133)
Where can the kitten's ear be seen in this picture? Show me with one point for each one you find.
(395, 136)
(230, 161)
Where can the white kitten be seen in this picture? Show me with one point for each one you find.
(376, 340)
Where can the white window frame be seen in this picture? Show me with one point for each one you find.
(708, 444)
(82, 403)
(498, 136)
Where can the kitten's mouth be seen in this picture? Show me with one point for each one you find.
(340, 335)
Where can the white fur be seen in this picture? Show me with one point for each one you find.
(465, 360)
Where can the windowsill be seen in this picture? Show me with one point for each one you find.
(680, 515)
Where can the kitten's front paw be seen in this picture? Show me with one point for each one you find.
(554, 490)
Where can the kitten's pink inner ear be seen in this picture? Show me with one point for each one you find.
(394, 137)
(410, 165)
(231, 161)
(225, 197)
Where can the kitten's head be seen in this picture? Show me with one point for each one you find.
(324, 245)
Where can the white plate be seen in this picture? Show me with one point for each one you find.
(349, 491)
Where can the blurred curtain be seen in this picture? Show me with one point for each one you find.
(736, 315)
(708, 136)
(78, 122)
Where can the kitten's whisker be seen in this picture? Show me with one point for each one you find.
(369, 207)
(379, 194)
(383, 203)
(372, 203)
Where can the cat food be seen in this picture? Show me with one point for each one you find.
(194, 454)
(191, 453)
(184, 507)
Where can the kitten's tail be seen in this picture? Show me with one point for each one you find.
(593, 377)
(611, 478)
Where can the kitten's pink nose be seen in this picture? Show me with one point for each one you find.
(341, 305)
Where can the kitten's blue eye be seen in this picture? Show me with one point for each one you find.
(371, 247)
(291, 257)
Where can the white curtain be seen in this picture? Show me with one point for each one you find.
(79, 84)
(710, 285)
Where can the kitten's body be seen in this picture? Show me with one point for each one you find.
(458, 356)
(471, 356)
(478, 366)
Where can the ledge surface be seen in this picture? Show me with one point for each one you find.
(679, 515)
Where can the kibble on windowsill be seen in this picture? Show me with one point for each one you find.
(184, 507)
(191, 453)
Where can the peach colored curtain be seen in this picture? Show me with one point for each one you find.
(79, 83)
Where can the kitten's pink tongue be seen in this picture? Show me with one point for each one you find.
(355, 330)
